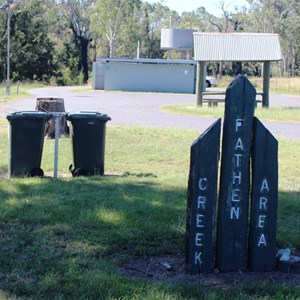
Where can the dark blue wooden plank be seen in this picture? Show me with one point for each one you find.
(264, 200)
(202, 196)
(235, 179)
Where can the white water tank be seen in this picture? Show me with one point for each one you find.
(177, 39)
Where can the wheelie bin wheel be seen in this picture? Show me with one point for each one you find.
(36, 172)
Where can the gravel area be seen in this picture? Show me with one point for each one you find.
(143, 109)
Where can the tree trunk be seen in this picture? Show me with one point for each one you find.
(220, 70)
(84, 43)
(53, 105)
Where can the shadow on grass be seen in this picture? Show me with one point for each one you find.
(65, 238)
(69, 231)
(288, 224)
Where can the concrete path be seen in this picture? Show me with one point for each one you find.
(135, 108)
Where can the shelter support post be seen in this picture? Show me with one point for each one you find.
(266, 84)
(200, 81)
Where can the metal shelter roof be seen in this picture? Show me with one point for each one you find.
(236, 47)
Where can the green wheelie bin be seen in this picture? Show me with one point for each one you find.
(26, 141)
(87, 131)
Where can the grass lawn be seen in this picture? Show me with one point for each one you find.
(17, 91)
(278, 85)
(276, 114)
(84, 88)
(66, 238)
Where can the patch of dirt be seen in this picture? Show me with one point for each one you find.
(3, 108)
(172, 269)
(3, 175)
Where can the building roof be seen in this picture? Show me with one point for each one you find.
(236, 47)
(145, 61)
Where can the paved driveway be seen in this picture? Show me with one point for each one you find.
(135, 108)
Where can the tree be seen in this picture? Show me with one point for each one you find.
(198, 19)
(31, 48)
(113, 20)
(3, 42)
(78, 14)
(282, 17)
(53, 38)
(222, 25)
(154, 17)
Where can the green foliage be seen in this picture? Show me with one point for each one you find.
(153, 18)
(280, 17)
(50, 38)
(79, 23)
(67, 77)
(108, 23)
(32, 51)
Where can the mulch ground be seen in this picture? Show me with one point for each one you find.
(172, 269)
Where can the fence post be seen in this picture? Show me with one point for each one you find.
(233, 205)
(266, 84)
(18, 86)
(200, 82)
(202, 196)
(264, 198)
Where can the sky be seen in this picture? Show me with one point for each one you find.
(212, 6)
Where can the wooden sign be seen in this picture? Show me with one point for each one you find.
(235, 178)
(244, 137)
(264, 198)
(202, 196)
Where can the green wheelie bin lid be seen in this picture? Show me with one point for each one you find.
(89, 115)
(34, 114)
